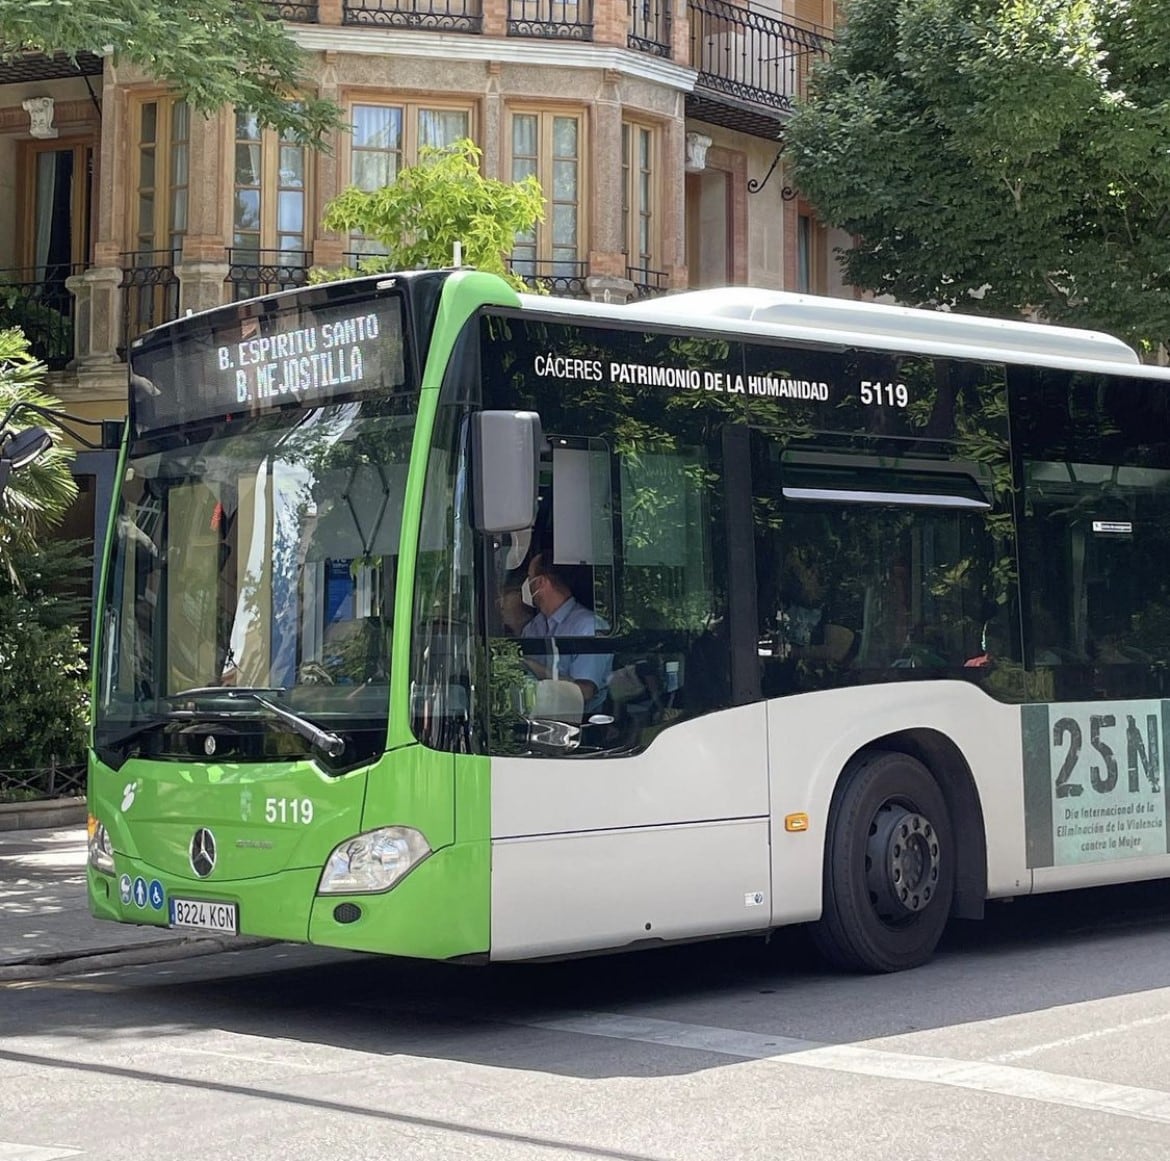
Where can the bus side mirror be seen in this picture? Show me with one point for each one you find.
(505, 456)
(19, 450)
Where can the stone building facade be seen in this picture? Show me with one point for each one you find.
(655, 127)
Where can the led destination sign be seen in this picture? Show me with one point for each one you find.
(251, 364)
(307, 360)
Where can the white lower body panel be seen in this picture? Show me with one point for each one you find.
(566, 893)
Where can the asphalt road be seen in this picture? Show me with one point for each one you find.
(1043, 1032)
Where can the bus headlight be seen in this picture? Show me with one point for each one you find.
(101, 853)
(373, 861)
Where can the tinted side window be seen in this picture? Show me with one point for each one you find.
(1095, 532)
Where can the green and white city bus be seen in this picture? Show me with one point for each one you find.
(873, 605)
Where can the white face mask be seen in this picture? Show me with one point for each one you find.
(526, 593)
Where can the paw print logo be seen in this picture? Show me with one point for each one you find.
(128, 793)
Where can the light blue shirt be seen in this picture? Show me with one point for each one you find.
(573, 619)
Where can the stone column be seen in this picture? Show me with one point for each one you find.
(608, 288)
(672, 190)
(608, 243)
(494, 129)
(97, 326)
(201, 283)
(328, 249)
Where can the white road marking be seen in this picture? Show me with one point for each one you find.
(1065, 1041)
(1003, 1080)
(271, 1061)
(10, 1151)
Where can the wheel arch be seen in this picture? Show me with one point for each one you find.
(950, 770)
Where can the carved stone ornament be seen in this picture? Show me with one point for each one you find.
(697, 146)
(40, 112)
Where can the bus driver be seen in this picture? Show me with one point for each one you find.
(560, 614)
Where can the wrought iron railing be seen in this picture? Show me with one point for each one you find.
(354, 258)
(750, 55)
(254, 272)
(292, 11)
(650, 26)
(647, 282)
(555, 19)
(150, 291)
(443, 15)
(38, 302)
(563, 279)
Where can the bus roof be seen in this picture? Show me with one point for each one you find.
(847, 322)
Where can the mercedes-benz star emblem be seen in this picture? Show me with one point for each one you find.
(209, 745)
(203, 852)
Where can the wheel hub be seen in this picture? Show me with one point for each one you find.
(902, 862)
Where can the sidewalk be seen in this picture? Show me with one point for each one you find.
(45, 925)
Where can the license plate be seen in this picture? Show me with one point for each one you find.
(204, 915)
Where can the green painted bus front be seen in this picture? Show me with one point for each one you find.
(271, 869)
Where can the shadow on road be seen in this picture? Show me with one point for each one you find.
(1028, 956)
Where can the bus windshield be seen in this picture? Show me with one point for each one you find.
(256, 555)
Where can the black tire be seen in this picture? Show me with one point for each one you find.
(889, 866)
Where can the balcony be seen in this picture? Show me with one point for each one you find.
(428, 15)
(751, 66)
(551, 19)
(150, 292)
(293, 13)
(647, 282)
(562, 279)
(38, 302)
(650, 27)
(255, 272)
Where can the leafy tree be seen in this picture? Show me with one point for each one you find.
(993, 157)
(43, 686)
(442, 200)
(38, 496)
(213, 52)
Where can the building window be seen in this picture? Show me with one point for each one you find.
(811, 266)
(268, 206)
(162, 158)
(158, 213)
(388, 137)
(548, 145)
(638, 209)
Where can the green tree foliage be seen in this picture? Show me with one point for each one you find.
(43, 687)
(442, 200)
(38, 496)
(994, 157)
(213, 52)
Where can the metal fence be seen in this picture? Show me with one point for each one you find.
(647, 282)
(38, 302)
(650, 27)
(255, 272)
(150, 290)
(292, 11)
(554, 19)
(562, 279)
(432, 15)
(52, 781)
(750, 55)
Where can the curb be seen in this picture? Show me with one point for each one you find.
(162, 951)
(42, 814)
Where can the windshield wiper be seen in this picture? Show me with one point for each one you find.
(329, 743)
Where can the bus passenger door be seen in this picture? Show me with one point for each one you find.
(634, 808)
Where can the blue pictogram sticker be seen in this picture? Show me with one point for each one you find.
(124, 889)
(140, 892)
(156, 894)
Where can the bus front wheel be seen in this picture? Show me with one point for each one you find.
(889, 866)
